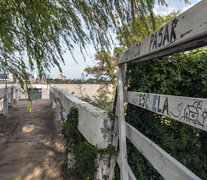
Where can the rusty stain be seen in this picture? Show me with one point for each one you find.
(182, 35)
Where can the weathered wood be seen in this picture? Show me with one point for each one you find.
(187, 31)
(130, 173)
(121, 124)
(191, 111)
(168, 167)
(115, 139)
(115, 159)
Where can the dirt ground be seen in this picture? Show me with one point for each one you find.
(30, 144)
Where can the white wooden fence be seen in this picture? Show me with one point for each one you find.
(185, 32)
(7, 94)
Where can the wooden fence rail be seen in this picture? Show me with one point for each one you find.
(166, 165)
(188, 110)
(185, 32)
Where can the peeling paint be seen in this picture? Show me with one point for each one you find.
(106, 128)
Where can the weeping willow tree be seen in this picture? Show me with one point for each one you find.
(36, 29)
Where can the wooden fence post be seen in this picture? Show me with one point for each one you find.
(121, 124)
(115, 138)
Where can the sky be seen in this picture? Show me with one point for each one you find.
(73, 70)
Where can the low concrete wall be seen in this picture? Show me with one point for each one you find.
(93, 123)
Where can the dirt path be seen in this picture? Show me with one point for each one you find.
(30, 144)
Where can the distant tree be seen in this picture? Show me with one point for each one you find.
(104, 68)
(106, 63)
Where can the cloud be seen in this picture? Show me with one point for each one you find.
(162, 10)
(187, 7)
(173, 5)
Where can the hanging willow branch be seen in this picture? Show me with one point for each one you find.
(37, 28)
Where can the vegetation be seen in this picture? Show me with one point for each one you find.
(84, 153)
(35, 29)
(101, 101)
(106, 62)
(181, 74)
(88, 81)
(57, 81)
(105, 72)
(105, 68)
(77, 81)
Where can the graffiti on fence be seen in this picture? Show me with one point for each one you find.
(186, 109)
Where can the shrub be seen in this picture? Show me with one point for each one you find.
(84, 153)
(181, 74)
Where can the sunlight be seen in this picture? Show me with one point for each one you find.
(28, 128)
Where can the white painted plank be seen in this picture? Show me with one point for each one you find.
(121, 124)
(168, 167)
(191, 111)
(188, 27)
(116, 158)
(130, 173)
(115, 140)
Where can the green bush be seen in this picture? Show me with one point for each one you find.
(101, 101)
(181, 74)
(84, 153)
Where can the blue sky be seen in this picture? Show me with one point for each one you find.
(73, 70)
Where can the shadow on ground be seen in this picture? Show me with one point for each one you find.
(30, 144)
